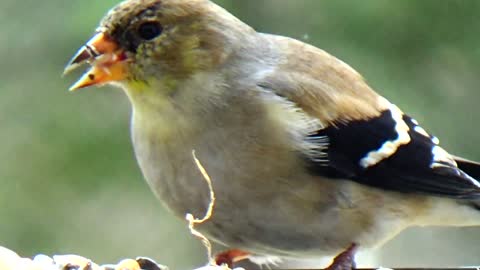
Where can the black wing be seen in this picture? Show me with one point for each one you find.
(472, 168)
(393, 152)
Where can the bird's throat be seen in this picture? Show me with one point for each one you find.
(155, 113)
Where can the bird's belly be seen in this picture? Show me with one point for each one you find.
(300, 223)
(267, 202)
(269, 212)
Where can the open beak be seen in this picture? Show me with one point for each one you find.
(107, 59)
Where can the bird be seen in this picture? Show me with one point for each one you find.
(306, 159)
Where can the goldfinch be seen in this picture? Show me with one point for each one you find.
(306, 159)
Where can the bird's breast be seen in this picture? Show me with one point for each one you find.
(266, 200)
(243, 151)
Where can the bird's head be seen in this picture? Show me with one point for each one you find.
(143, 42)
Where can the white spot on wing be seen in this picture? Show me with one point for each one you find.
(417, 128)
(421, 131)
(389, 147)
(441, 156)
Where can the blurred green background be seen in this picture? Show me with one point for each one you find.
(69, 181)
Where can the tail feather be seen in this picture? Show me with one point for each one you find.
(471, 168)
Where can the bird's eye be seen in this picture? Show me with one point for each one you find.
(149, 30)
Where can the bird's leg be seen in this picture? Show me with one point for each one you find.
(345, 260)
(231, 257)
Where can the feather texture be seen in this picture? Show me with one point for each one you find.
(373, 152)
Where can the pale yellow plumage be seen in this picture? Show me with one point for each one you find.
(260, 111)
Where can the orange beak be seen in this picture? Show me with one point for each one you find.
(108, 62)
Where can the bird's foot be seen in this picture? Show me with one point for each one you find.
(345, 260)
(230, 257)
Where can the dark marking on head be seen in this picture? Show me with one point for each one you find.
(149, 11)
(122, 23)
(91, 76)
